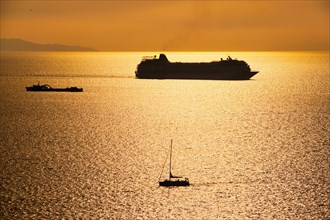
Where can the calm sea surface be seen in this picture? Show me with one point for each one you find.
(256, 149)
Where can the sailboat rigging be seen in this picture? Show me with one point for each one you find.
(173, 180)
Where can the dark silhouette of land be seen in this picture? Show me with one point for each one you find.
(22, 45)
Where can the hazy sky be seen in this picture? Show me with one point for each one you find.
(170, 25)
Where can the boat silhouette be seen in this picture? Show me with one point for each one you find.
(172, 180)
(48, 88)
(224, 69)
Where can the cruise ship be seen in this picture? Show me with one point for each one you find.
(224, 69)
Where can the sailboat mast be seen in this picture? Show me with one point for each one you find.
(170, 159)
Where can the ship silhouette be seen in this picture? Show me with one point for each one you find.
(173, 180)
(48, 88)
(224, 69)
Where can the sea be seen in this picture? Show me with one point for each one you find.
(252, 149)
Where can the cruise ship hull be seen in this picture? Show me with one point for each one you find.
(161, 68)
(197, 75)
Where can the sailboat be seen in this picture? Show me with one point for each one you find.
(173, 180)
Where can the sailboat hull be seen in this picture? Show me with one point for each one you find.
(176, 182)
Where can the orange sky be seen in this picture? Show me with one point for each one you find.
(170, 25)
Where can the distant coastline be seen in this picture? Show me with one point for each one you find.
(23, 45)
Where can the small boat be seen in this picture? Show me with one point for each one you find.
(173, 180)
(48, 88)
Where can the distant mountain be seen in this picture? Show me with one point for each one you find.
(22, 45)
